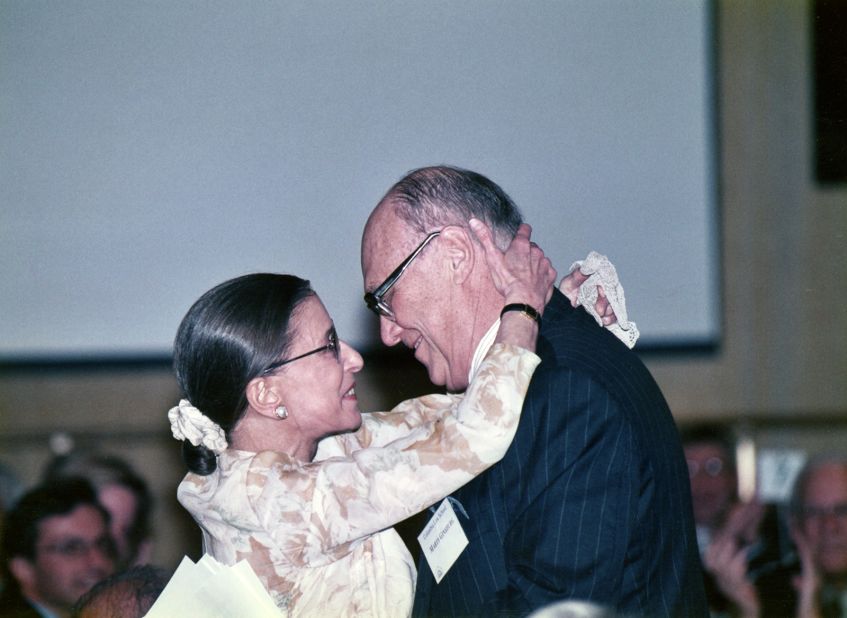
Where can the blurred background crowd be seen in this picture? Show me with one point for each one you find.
(81, 540)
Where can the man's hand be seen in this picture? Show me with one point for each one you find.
(726, 560)
(743, 521)
(808, 582)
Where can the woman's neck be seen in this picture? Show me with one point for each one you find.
(256, 433)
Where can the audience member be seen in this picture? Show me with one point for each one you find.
(55, 546)
(711, 469)
(123, 492)
(747, 563)
(819, 527)
(128, 594)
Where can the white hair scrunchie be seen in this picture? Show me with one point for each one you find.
(189, 423)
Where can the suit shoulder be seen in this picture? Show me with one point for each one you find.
(571, 337)
(571, 340)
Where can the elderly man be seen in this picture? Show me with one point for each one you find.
(56, 546)
(592, 500)
(819, 520)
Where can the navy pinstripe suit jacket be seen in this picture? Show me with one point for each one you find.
(590, 502)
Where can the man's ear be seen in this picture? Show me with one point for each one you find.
(461, 252)
(23, 571)
(263, 396)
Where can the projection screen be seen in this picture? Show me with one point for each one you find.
(149, 150)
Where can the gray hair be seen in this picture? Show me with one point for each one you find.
(431, 198)
(798, 490)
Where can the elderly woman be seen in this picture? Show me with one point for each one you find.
(266, 380)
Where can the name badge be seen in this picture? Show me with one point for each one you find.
(442, 540)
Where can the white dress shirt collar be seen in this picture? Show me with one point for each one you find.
(482, 349)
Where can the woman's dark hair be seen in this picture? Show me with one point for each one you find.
(228, 337)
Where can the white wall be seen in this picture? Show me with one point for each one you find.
(151, 150)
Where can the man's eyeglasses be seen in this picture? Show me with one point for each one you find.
(331, 346)
(375, 300)
(77, 548)
(838, 511)
(712, 467)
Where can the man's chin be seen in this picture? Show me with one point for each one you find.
(436, 378)
(451, 383)
(440, 375)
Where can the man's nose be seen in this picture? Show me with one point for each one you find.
(832, 522)
(101, 560)
(389, 331)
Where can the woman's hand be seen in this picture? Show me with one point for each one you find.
(570, 288)
(522, 274)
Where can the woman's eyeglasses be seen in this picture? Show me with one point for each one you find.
(331, 346)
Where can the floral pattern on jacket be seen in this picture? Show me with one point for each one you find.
(319, 534)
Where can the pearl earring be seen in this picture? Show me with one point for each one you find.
(281, 412)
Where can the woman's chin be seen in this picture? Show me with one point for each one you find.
(357, 421)
(352, 416)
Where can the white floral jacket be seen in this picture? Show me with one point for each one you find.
(319, 534)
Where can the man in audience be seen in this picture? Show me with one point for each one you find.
(747, 564)
(709, 454)
(56, 545)
(819, 519)
(122, 492)
(591, 501)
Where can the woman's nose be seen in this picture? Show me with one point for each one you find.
(350, 358)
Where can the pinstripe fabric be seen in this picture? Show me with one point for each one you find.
(592, 499)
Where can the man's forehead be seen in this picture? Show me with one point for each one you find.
(85, 520)
(383, 247)
(828, 481)
(705, 449)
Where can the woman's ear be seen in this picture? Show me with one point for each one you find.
(460, 252)
(263, 396)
